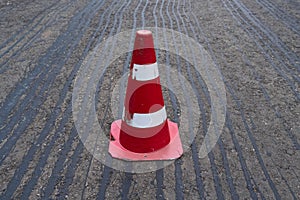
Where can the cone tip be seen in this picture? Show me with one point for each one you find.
(144, 52)
(144, 33)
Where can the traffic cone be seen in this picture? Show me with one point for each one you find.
(144, 132)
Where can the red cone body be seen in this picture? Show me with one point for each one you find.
(144, 133)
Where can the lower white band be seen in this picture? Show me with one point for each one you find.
(147, 120)
(145, 72)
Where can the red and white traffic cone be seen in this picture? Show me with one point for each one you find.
(144, 133)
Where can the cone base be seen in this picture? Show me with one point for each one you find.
(170, 152)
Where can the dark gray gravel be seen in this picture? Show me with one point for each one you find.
(255, 44)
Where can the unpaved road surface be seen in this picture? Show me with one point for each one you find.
(254, 43)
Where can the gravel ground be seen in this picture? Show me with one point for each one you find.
(255, 45)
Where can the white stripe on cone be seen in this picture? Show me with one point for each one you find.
(146, 120)
(145, 72)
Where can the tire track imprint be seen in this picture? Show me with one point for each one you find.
(70, 172)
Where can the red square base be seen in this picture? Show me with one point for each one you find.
(170, 152)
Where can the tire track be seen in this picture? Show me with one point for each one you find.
(4, 44)
(143, 14)
(286, 56)
(44, 132)
(106, 173)
(194, 156)
(286, 182)
(178, 171)
(290, 134)
(59, 165)
(279, 14)
(46, 79)
(127, 181)
(71, 168)
(108, 170)
(57, 170)
(277, 114)
(289, 4)
(4, 65)
(218, 187)
(20, 89)
(9, 48)
(237, 147)
(272, 37)
(71, 171)
(159, 176)
(266, 96)
(268, 57)
(67, 115)
(251, 137)
(128, 176)
(70, 159)
(228, 122)
(293, 59)
(255, 147)
(29, 98)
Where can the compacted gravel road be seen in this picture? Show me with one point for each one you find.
(255, 45)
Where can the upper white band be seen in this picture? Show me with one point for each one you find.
(147, 120)
(145, 72)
